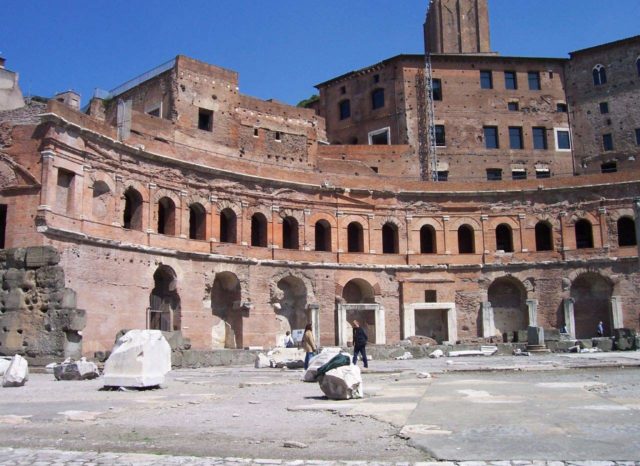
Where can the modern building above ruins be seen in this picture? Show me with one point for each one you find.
(175, 202)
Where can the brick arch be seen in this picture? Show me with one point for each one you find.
(276, 294)
(259, 209)
(435, 223)
(613, 280)
(494, 222)
(377, 291)
(583, 215)
(458, 222)
(199, 199)
(163, 192)
(297, 214)
(531, 222)
(617, 214)
(227, 204)
(108, 180)
(317, 216)
(390, 219)
(138, 186)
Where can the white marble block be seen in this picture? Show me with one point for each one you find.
(17, 373)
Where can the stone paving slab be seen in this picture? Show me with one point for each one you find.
(48, 457)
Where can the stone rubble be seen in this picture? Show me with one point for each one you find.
(436, 354)
(140, 358)
(319, 360)
(342, 383)
(17, 374)
(5, 362)
(76, 370)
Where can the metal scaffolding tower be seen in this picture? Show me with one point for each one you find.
(432, 155)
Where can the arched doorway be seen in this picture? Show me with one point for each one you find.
(293, 303)
(290, 233)
(584, 234)
(508, 300)
(355, 237)
(544, 237)
(592, 303)
(228, 226)
(164, 301)
(626, 231)
(360, 305)
(427, 240)
(226, 305)
(166, 216)
(504, 238)
(466, 240)
(197, 221)
(259, 230)
(132, 216)
(390, 238)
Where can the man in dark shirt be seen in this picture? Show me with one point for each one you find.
(359, 343)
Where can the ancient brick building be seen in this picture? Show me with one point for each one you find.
(175, 202)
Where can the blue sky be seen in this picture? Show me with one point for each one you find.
(280, 48)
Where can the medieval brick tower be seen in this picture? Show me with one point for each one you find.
(457, 26)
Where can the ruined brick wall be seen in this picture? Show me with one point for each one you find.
(27, 115)
(38, 314)
(383, 160)
(620, 117)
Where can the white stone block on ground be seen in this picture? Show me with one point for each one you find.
(140, 358)
(436, 354)
(289, 357)
(76, 370)
(342, 383)
(262, 361)
(319, 360)
(17, 374)
(4, 364)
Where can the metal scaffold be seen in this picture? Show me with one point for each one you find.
(432, 155)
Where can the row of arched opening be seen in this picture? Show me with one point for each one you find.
(355, 233)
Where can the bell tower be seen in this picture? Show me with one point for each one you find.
(457, 26)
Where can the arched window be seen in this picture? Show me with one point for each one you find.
(166, 216)
(290, 233)
(627, 232)
(504, 238)
(259, 230)
(466, 241)
(599, 75)
(544, 237)
(427, 240)
(323, 235)
(584, 234)
(228, 226)
(132, 218)
(355, 238)
(197, 221)
(390, 238)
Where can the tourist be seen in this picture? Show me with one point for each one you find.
(600, 329)
(309, 345)
(288, 340)
(360, 339)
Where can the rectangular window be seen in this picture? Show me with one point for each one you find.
(440, 136)
(510, 80)
(343, 89)
(638, 136)
(486, 79)
(604, 108)
(64, 190)
(515, 137)
(437, 89)
(205, 119)
(534, 81)
(379, 137)
(491, 137)
(278, 136)
(561, 108)
(518, 174)
(345, 109)
(542, 173)
(609, 167)
(376, 78)
(563, 139)
(430, 296)
(540, 138)
(494, 174)
(443, 175)
(607, 142)
(377, 99)
(513, 106)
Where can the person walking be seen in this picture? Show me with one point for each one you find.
(288, 340)
(600, 329)
(309, 345)
(360, 339)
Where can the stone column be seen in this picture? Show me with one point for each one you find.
(409, 321)
(617, 319)
(521, 222)
(151, 208)
(381, 328)
(370, 238)
(445, 234)
(244, 235)
(488, 325)
(604, 236)
(342, 320)
(49, 181)
(569, 316)
(483, 222)
(314, 318)
(532, 307)
(636, 211)
(182, 228)
(305, 240)
(117, 219)
(563, 233)
(452, 323)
